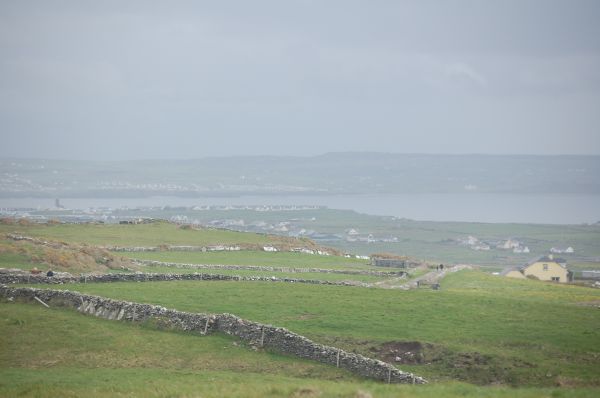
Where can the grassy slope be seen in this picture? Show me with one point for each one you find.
(296, 275)
(245, 257)
(531, 329)
(153, 234)
(535, 333)
(430, 240)
(15, 260)
(113, 234)
(425, 239)
(422, 239)
(10, 260)
(85, 356)
(140, 235)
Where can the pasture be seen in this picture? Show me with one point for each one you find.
(480, 335)
(479, 328)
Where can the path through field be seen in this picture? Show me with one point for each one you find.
(432, 277)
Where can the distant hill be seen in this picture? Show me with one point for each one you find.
(333, 173)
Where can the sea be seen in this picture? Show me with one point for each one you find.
(467, 207)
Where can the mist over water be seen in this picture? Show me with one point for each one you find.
(467, 207)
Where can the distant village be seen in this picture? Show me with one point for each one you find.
(510, 244)
(288, 220)
(292, 227)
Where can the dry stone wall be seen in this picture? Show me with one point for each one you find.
(154, 263)
(267, 336)
(9, 278)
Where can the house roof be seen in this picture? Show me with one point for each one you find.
(506, 270)
(552, 260)
(546, 259)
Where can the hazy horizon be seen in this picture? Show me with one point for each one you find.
(316, 155)
(188, 80)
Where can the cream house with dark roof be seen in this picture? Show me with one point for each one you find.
(547, 268)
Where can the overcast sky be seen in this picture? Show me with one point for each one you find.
(171, 79)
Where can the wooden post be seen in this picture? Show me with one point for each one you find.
(206, 325)
(337, 361)
(262, 336)
(389, 375)
(37, 298)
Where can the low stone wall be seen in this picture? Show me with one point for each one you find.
(101, 278)
(276, 338)
(132, 249)
(154, 263)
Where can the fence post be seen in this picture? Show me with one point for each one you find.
(38, 299)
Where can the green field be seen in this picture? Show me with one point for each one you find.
(429, 240)
(15, 260)
(296, 275)
(87, 356)
(247, 257)
(522, 332)
(480, 335)
(154, 234)
(19, 261)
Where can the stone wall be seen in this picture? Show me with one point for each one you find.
(10, 278)
(267, 336)
(153, 263)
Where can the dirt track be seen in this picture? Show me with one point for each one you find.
(432, 277)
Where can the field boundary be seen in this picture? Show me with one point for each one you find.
(257, 334)
(155, 263)
(157, 277)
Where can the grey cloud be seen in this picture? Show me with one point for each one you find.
(188, 79)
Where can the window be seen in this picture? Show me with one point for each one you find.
(545, 267)
(556, 279)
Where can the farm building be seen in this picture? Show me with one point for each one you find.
(545, 268)
(513, 272)
(590, 274)
(388, 262)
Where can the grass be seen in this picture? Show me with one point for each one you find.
(12, 255)
(430, 240)
(528, 329)
(87, 356)
(154, 234)
(16, 260)
(296, 275)
(249, 257)
(59, 257)
(479, 328)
